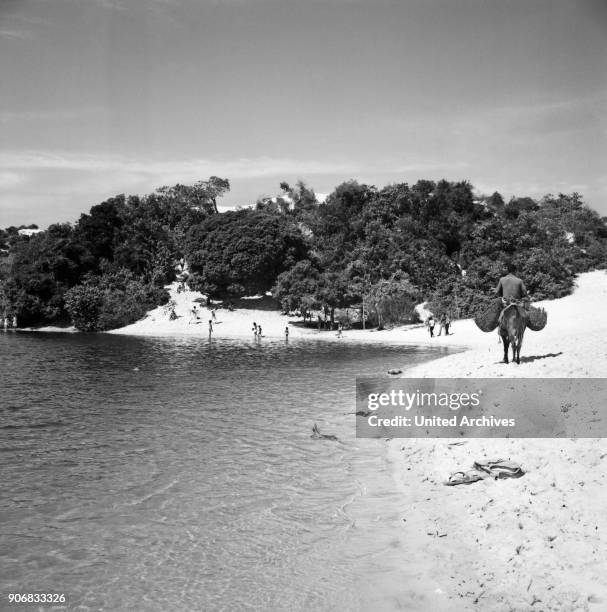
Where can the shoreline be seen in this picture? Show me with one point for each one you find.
(568, 347)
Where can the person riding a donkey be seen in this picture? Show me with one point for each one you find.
(511, 313)
(513, 318)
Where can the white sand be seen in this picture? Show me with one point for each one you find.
(228, 324)
(535, 543)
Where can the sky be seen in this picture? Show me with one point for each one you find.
(101, 97)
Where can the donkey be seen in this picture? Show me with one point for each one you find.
(512, 329)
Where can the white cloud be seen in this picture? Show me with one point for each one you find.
(10, 180)
(15, 34)
(191, 169)
(59, 114)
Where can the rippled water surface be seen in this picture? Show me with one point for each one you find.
(178, 474)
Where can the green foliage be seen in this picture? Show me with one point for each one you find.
(392, 301)
(110, 301)
(143, 235)
(297, 287)
(83, 303)
(496, 203)
(242, 252)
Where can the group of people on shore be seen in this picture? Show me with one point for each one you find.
(9, 322)
(195, 317)
(444, 323)
(257, 331)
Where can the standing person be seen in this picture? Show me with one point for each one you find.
(14, 321)
(441, 324)
(259, 331)
(287, 333)
(210, 328)
(340, 329)
(447, 324)
(5, 321)
(254, 329)
(430, 325)
(194, 313)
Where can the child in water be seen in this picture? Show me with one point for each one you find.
(430, 325)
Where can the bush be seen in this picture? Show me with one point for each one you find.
(83, 303)
(111, 301)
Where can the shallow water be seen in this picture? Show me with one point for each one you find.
(179, 474)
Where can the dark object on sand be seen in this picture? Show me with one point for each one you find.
(394, 371)
(468, 477)
(536, 318)
(497, 470)
(318, 436)
(488, 320)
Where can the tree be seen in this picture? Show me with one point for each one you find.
(495, 203)
(83, 304)
(240, 252)
(112, 300)
(517, 205)
(97, 230)
(203, 195)
(392, 300)
(296, 288)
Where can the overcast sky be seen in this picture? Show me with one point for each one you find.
(101, 97)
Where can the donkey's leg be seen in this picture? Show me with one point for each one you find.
(519, 345)
(505, 343)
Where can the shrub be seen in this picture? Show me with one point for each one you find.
(83, 303)
(111, 301)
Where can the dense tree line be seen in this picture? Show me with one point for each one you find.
(381, 249)
(109, 267)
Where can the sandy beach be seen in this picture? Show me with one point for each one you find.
(534, 543)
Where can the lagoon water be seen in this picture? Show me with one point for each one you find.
(179, 474)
